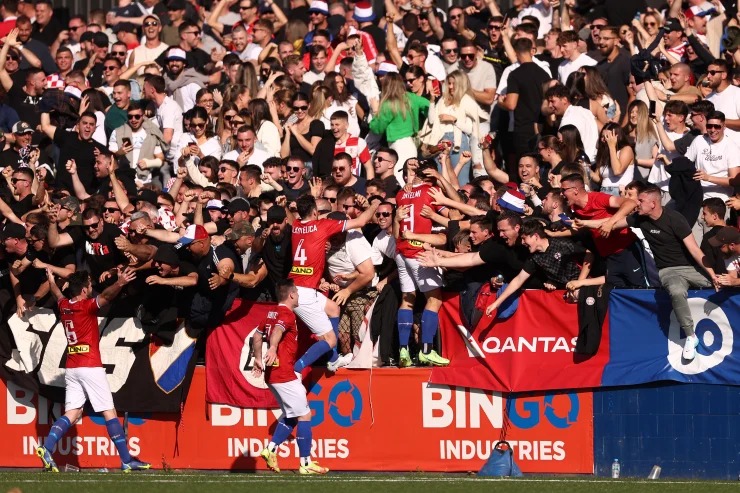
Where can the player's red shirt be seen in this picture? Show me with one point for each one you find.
(80, 322)
(598, 207)
(287, 351)
(309, 250)
(418, 197)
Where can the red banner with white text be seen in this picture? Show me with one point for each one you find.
(384, 420)
(532, 350)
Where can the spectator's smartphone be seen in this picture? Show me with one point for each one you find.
(126, 141)
(566, 220)
(652, 109)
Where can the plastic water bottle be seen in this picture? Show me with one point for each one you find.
(616, 469)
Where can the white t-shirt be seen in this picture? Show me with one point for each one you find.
(355, 251)
(384, 245)
(658, 174)
(211, 147)
(567, 67)
(727, 101)
(585, 122)
(251, 52)
(482, 77)
(542, 13)
(715, 159)
(310, 77)
(169, 115)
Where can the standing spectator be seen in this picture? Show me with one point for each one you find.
(75, 144)
(645, 139)
(246, 152)
(574, 59)
(615, 67)
(169, 116)
(483, 89)
(558, 101)
(614, 158)
(153, 47)
(384, 162)
(724, 96)
(356, 147)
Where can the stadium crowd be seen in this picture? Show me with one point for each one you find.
(217, 147)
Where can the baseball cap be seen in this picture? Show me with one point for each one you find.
(13, 230)
(87, 36)
(275, 214)
(238, 230)
(194, 232)
(152, 16)
(697, 11)
(100, 40)
(146, 195)
(70, 203)
(214, 205)
(166, 254)
(725, 236)
(237, 205)
(22, 128)
(320, 7)
(176, 54)
(672, 24)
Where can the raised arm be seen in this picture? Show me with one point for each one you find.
(46, 126)
(364, 218)
(391, 45)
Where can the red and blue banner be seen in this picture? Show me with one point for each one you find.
(533, 348)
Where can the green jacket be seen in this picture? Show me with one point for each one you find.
(395, 126)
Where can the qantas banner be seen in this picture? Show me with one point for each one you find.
(145, 374)
(446, 428)
(649, 343)
(533, 349)
(530, 350)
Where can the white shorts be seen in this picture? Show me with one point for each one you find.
(87, 384)
(291, 397)
(413, 275)
(310, 309)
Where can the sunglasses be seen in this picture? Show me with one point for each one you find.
(112, 209)
(13, 57)
(224, 169)
(118, 53)
(411, 81)
(294, 169)
(715, 72)
(332, 200)
(108, 68)
(197, 125)
(382, 214)
(453, 17)
(381, 159)
(449, 50)
(494, 27)
(151, 23)
(74, 28)
(300, 108)
(133, 116)
(91, 226)
(650, 24)
(597, 26)
(713, 126)
(32, 240)
(469, 56)
(338, 170)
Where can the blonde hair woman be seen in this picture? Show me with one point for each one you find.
(454, 118)
(397, 116)
(640, 128)
(321, 99)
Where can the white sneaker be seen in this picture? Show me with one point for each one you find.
(689, 347)
(343, 360)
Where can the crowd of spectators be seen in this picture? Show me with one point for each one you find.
(547, 145)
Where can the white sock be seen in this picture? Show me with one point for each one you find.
(272, 447)
(305, 461)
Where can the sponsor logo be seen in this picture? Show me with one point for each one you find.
(301, 271)
(714, 331)
(81, 348)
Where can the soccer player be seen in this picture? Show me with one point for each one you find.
(411, 273)
(280, 330)
(309, 258)
(85, 378)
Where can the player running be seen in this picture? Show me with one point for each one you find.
(280, 330)
(85, 378)
(411, 274)
(310, 235)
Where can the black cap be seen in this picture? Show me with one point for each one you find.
(176, 5)
(87, 36)
(672, 24)
(276, 214)
(725, 236)
(166, 254)
(238, 204)
(13, 230)
(147, 195)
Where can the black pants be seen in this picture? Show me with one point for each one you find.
(625, 269)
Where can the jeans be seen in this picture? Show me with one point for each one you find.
(677, 281)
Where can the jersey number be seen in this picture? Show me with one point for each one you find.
(300, 254)
(409, 220)
(69, 330)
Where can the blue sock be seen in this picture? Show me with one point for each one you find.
(115, 431)
(304, 440)
(315, 352)
(335, 326)
(58, 429)
(429, 323)
(282, 431)
(405, 323)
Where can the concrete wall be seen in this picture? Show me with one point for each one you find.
(691, 431)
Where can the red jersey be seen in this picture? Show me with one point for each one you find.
(598, 207)
(80, 322)
(356, 147)
(309, 250)
(287, 351)
(418, 197)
